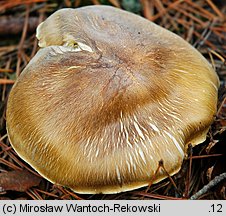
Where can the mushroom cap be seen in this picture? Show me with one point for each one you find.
(108, 96)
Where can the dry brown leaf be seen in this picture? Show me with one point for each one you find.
(18, 180)
(209, 173)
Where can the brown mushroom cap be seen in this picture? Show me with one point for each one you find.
(108, 96)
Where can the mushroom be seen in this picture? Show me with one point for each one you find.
(108, 96)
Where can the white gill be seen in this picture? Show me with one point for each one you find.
(175, 142)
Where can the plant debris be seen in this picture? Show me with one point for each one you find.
(18, 180)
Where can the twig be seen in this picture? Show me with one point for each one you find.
(188, 180)
(170, 178)
(9, 4)
(204, 11)
(195, 11)
(96, 2)
(14, 25)
(35, 193)
(212, 61)
(6, 81)
(190, 31)
(207, 187)
(171, 6)
(115, 3)
(23, 36)
(67, 3)
(215, 8)
(153, 178)
(167, 18)
(77, 3)
(157, 196)
(205, 156)
(186, 25)
(46, 193)
(32, 195)
(204, 36)
(218, 55)
(2, 70)
(73, 195)
(189, 15)
(148, 8)
(9, 164)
